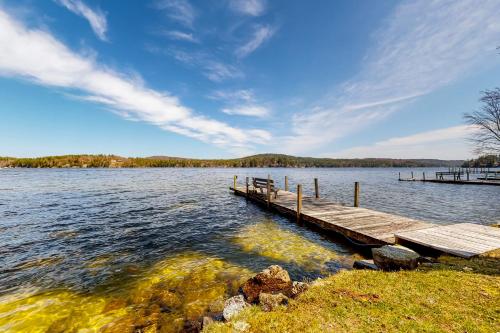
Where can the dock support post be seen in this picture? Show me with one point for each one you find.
(316, 188)
(247, 187)
(234, 182)
(268, 191)
(412, 175)
(423, 174)
(356, 194)
(299, 201)
(286, 183)
(467, 175)
(399, 176)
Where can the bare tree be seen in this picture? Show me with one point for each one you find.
(487, 120)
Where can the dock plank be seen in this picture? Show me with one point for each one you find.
(462, 239)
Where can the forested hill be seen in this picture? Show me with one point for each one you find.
(262, 160)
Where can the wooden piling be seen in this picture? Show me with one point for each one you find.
(399, 177)
(299, 201)
(268, 191)
(412, 175)
(356, 194)
(247, 187)
(286, 183)
(316, 188)
(423, 175)
(234, 181)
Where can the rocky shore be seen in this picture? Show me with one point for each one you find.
(273, 287)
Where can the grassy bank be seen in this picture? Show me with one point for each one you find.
(453, 296)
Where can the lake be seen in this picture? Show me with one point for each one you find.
(113, 249)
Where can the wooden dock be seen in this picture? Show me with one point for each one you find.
(373, 228)
(459, 177)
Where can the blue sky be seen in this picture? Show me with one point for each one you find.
(230, 78)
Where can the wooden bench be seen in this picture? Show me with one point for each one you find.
(261, 184)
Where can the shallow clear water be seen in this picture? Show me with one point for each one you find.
(103, 243)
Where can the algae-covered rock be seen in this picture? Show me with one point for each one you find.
(393, 258)
(233, 306)
(269, 302)
(273, 279)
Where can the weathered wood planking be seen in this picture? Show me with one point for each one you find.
(372, 227)
(360, 224)
(463, 239)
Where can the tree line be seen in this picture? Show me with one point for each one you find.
(255, 161)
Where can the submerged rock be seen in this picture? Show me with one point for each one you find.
(233, 306)
(269, 302)
(206, 321)
(273, 279)
(365, 264)
(393, 258)
(298, 288)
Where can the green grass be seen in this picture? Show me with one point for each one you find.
(440, 298)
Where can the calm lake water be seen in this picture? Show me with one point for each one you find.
(118, 249)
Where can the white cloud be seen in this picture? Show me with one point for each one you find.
(37, 56)
(261, 34)
(423, 46)
(96, 18)
(180, 35)
(178, 10)
(447, 143)
(240, 102)
(233, 96)
(247, 110)
(248, 7)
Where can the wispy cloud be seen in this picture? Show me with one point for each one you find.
(248, 7)
(233, 95)
(423, 46)
(247, 110)
(179, 10)
(211, 68)
(240, 102)
(260, 35)
(37, 56)
(95, 17)
(446, 143)
(180, 35)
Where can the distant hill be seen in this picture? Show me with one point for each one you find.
(261, 160)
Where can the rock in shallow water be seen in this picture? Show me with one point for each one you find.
(270, 301)
(273, 279)
(394, 258)
(365, 264)
(233, 305)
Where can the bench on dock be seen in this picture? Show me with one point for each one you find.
(261, 184)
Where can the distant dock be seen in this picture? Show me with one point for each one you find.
(366, 226)
(460, 176)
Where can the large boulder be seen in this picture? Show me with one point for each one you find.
(233, 306)
(269, 302)
(394, 258)
(273, 279)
